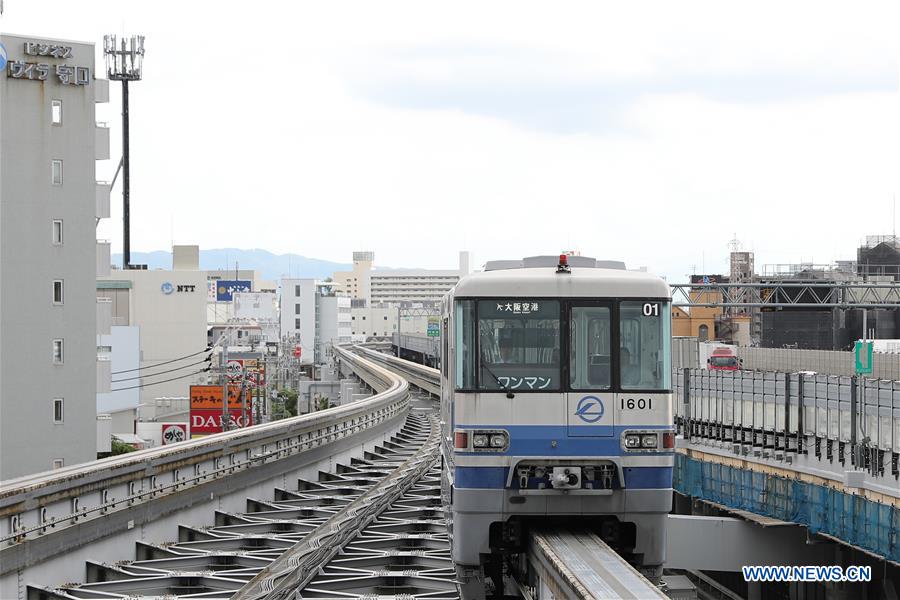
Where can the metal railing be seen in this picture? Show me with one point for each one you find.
(40, 505)
(787, 293)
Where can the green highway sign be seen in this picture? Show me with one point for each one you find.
(863, 355)
(434, 327)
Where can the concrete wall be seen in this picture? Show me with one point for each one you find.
(832, 362)
(828, 362)
(125, 358)
(30, 261)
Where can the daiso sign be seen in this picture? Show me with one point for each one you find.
(205, 422)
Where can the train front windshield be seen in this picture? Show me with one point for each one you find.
(519, 345)
(516, 345)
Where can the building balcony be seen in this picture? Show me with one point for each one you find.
(104, 316)
(103, 191)
(104, 374)
(101, 141)
(103, 258)
(101, 91)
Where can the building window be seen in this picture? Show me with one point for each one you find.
(56, 171)
(56, 112)
(58, 463)
(364, 318)
(385, 317)
(703, 333)
(58, 410)
(297, 290)
(57, 232)
(296, 309)
(296, 323)
(58, 352)
(57, 291)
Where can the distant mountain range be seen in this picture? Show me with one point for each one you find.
(268, 265)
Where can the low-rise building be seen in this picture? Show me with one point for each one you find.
(169, 308)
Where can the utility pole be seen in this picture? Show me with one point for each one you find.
(243, 396)
(225, 414)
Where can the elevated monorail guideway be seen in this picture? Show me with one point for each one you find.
(578, 564)
(277, 545)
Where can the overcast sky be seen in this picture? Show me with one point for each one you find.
(647, 132)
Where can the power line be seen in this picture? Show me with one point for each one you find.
(206, 370)
(207, 349)
(205, 360)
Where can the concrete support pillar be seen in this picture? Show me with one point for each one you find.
(754, 590)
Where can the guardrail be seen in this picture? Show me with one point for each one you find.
(34, 508)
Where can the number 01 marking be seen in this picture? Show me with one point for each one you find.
(651, 309)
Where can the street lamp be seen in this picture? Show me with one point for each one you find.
(124, 60)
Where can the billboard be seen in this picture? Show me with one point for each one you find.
(210, 397)
(173, 432)
(208, 421)
(251, 368)
(225, 288)
(207, 405)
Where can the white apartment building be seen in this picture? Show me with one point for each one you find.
(314, 317)
(376, 286)
(380, 320)
(355, 283)
(260, 308)
(49, 255)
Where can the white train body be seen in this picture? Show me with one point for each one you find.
(556, 402)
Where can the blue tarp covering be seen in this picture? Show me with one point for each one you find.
(854, 519)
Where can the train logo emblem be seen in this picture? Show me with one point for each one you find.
(590, 409)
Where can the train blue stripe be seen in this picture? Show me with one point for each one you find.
(636, 478)
(481, 477)
(648, 478)
(538, 440)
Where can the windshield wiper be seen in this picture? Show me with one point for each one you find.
(509, 393)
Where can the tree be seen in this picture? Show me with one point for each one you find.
(322, 402)
(117, 447)
(287, 404)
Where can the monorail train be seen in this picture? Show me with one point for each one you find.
(556, 403)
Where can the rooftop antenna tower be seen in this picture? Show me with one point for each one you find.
(124, 62)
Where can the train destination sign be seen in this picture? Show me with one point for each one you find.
(518, 308)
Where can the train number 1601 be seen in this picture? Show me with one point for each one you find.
(637, 403)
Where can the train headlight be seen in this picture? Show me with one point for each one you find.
(632, 440)
(480, 440)
(498, 440)
(649, 440)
